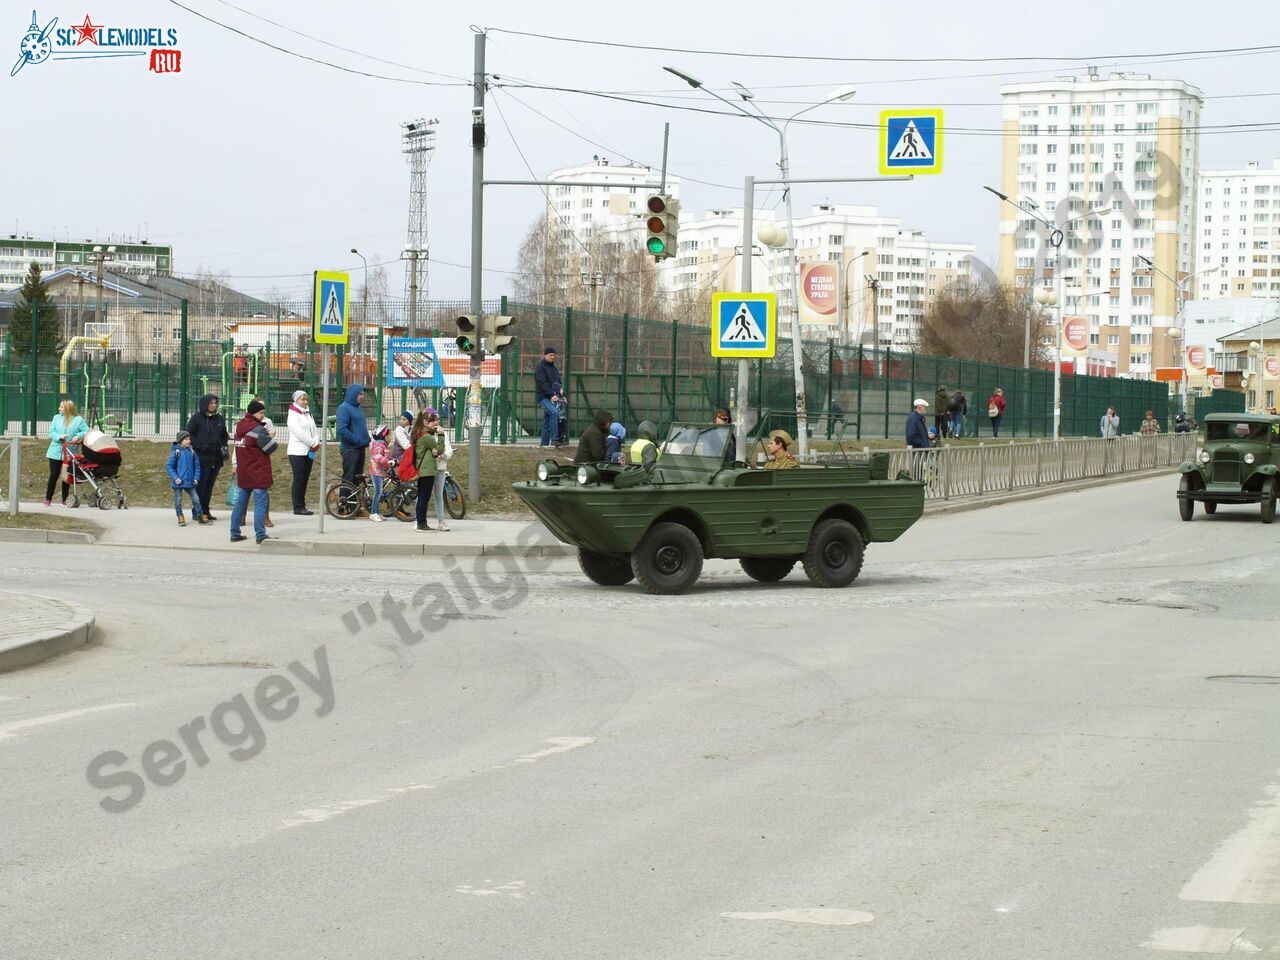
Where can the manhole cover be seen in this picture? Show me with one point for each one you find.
(1243, 678)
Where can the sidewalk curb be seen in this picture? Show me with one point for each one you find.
(46, 536)
(314, 548)
(943, 507)
(24, 651)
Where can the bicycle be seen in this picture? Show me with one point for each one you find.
(406, 498)
(344, 501)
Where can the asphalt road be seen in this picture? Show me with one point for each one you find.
(1000, 743)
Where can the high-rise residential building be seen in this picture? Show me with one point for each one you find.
(908, 270)
(1127, 144)
(1238, 240)
(134, 257)
(582, 208)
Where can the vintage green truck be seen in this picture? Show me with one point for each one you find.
(655, 522)
(1237, 464)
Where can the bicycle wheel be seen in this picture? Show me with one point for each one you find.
(454, 502)
(386, 506)
(406, 504)
(343, 501)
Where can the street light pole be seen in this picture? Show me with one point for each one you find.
(845, 338)
(364, 298)
(1179, 321)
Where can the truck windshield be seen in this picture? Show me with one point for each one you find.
(1237, 431)
(698, 441)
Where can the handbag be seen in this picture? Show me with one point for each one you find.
(233, 493)
(993, 411)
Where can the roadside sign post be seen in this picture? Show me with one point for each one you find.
(330, 324)
(743, 326)
(911, 141)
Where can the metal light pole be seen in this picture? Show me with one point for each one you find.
(797, 344)
(364, 297)
(1179, 321)
(475, 405)
(845, 337)
(101, 256)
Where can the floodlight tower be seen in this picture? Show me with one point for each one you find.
(417, 143)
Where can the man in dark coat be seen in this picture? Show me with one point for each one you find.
(545, 378)
(591, 444)
(208, 431)
(917, 432)
(941, 422)
(353, 434)
(253, 473)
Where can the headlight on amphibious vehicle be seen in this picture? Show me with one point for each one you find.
(1204, 456)
(587, 476)
(1248, 458)
(544, 471)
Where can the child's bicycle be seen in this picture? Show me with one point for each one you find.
(406, 498)
(344, 501)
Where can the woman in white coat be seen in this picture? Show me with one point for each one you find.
(304, 441)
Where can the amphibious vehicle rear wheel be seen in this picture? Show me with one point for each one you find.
(834, 555)
(1210, 507)
(767, 569)
(1186, 507)
(1269, 502)
(606, 569)
(668, 559)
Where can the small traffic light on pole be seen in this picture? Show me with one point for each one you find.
(468, 339)
(500, 333)
(662, 224)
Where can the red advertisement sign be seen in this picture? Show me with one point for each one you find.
(1272, 366)
(1075, 333)
(1197, 358)
(819, 292)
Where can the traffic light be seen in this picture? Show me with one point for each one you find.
(662, 224)
(499, 333)
(468, 340)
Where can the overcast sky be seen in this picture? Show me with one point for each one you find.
(267, 166)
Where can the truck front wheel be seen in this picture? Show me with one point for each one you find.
(668, 559)
(834, 554)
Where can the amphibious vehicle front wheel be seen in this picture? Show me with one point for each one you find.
(668, 559)
(834, 555)
(1186, 507)
(1269, 502)
(608, 570)
(1210, 507)
(767, 569)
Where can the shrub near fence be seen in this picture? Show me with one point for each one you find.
(163, 359)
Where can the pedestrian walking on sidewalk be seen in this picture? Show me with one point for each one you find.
(209, 439)
(1109, 426)
(183, 467)
(995, 410)
(1150, 425)
(545, 378)
(67, 427)
(941, 421)
(304, 443)
(958, 408)
(427, 445)
(379, 461)
(254, 446)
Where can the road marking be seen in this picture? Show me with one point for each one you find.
(1246, 868)
(9, 729)
(514, 889)
(826, 916)
(330, 810)
(1195, 939)
(561, 745)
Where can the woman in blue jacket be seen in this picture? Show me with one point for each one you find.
(67, 427)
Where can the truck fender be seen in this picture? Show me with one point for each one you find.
(1266, 469)
(1188, 466)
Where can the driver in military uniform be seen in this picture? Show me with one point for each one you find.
(778, 449)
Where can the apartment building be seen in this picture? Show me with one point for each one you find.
(1238, 235)
(130, 257)
(1126, 144)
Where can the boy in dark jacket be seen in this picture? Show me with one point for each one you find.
(183, 468)
(209, 439)
(353, 434)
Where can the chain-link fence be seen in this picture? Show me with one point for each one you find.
(163, 355)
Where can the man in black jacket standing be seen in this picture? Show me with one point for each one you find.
(209, 438)
(545, 378)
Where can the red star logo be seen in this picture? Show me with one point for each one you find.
(87, 31)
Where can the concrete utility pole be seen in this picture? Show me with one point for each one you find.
(744, 370)
(475, 406)
(100, 256)
(412, 255)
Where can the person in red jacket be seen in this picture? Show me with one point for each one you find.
(253, 472)
(995, 410)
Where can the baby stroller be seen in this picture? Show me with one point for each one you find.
(95, 470)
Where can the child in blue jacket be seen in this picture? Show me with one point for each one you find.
(183, 467)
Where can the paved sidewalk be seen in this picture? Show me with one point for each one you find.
(34, 628)
(158, 527)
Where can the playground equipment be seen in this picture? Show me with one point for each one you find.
(103, 342)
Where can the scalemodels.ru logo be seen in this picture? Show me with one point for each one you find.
(91, 41)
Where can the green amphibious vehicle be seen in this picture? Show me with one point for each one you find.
(655, 522)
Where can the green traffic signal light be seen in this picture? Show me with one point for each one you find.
(656, 246)
(465, 344)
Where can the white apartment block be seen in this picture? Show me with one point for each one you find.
(1127, 144)
(136, 257)
(909, 270)
(1238, 240)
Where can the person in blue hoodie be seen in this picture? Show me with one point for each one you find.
(183, 468)
(353, 434)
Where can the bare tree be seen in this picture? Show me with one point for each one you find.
(987, 322)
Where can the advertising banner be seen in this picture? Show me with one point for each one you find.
(1272, 366)
(1197, 358)
(435, 362)
(1075, 336)
(819, 293)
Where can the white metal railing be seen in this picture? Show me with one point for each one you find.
(13, 450)
(973, 471)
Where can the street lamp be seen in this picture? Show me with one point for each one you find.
(1179, 287)
(844, 327)
(364, 297)
(784, 163)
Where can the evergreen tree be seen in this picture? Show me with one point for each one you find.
(35, 294)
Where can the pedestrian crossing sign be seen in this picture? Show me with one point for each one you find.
(331, 307)
(910, 141)
(744, 324)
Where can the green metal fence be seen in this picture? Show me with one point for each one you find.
(163, 357)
